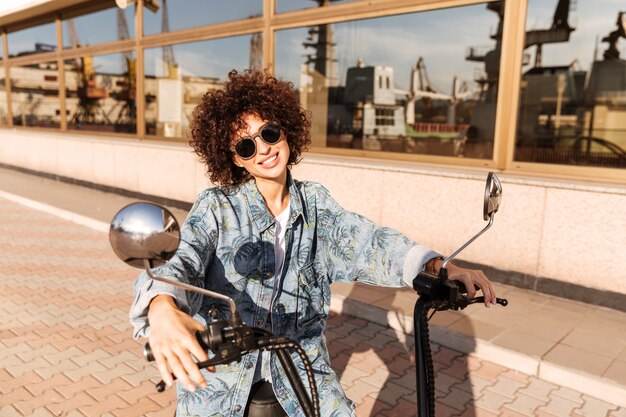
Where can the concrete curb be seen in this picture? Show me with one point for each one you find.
(600, 388)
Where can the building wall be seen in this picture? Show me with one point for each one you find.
(573, 232)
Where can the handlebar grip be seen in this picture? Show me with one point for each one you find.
(201, 337)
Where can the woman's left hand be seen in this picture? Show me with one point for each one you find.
(471, 278)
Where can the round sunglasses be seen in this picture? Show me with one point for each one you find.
(245, 147)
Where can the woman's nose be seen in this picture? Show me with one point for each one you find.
(261, 146)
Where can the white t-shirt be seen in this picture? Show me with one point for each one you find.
(262, 370)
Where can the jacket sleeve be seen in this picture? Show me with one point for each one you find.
(356, 249)
(189, 265)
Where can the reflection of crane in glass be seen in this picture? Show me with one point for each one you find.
(88, 92)
(128, 113)
(557, 33)
(612, 52)
(170, 67)
(420, 87)
(320, 39)
(256, 51)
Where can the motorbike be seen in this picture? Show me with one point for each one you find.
(146, 235)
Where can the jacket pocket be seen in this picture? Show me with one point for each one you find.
(311, 296)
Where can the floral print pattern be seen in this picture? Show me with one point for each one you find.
(227, 247)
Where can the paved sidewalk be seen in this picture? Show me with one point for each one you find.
(65, 345)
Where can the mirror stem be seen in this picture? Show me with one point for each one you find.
(449, 258)
(235, 318)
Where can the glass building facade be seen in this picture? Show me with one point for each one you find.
(524, 86)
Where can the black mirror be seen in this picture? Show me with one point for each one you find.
(493, 195)
(144, 232)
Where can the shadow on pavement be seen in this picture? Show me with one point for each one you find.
(376, 366)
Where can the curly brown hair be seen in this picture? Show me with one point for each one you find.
(219, 116)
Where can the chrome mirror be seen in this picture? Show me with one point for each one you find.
(146, 235)
(493, 195)
(143, 232)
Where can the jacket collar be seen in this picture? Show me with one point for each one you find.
(258, 209)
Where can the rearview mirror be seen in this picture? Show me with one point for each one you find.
(493, 195)
(143, 232)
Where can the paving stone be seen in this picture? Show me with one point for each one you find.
(506, 387)
(29, 405)
(592, 407)
(525, 404)
(42, 412)
(85, 371)
(491, 401)
(568, 394)
(140, 408)
(23, 380)
(477, 385)
(620, 412)
(390, 393)
(9, 411)
(71, 389)
(361, 390)
(490, 371)
(370, 407)
(457, 399)
(109, 404)
(539, 389)
(164, 412)
(559, 406)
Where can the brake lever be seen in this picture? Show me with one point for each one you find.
(502, 301)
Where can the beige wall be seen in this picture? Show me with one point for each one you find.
(570, 231)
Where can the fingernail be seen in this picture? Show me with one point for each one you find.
(191, 388)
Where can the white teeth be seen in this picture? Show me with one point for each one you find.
(267, 161)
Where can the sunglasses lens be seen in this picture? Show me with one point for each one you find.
(270, 133)
(245, 148)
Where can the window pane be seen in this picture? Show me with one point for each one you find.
(35, 95)
(573, 91)
(183, 14)
(283, 6)
(33, 40)
(178, 76)
(413, 83)
(100, 93)
(99, 27)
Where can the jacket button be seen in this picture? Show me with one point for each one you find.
(281, 392)
(269, 274)
(249, 365)
(237, 408)
(260, 322)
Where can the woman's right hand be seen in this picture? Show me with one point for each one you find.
(174, 344)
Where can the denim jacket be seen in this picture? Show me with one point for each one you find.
(227, 246)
